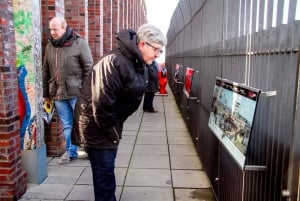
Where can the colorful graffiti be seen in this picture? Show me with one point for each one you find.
(23, 23)
(24, 106)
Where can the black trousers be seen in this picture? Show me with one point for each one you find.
(148, 101)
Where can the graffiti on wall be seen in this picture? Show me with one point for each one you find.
(23, 24)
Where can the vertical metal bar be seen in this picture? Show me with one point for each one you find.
(293, 185)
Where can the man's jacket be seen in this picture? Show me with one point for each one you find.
(66, 65)
(112, 92)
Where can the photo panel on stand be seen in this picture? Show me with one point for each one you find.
(232, 115)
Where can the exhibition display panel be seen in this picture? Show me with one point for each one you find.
(232, 115)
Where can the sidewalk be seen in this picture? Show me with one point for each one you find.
(156, 161)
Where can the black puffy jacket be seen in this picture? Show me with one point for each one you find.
(112, 92)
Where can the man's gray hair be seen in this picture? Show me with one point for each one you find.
(151, 34)
(62, 21)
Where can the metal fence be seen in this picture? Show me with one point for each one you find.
(254, 42)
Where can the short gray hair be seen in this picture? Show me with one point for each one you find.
(151, 34)
(61, 20)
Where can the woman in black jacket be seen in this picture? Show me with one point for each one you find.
(112, 92)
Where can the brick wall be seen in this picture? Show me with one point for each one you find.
(75, 14)
(130, 14)
(117, 15)
(50, 9)
(95, 17)
(107, 25)
(125, 13)
(121, 15)
(115, 21)
(13, 180)
(107, 17)
(54, 138)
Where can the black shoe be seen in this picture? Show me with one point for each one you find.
(152, 111)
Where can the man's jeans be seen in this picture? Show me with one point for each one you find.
(65, 111)
(103, 165)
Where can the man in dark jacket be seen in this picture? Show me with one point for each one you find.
(67, 63)
(152, 87)
(113, 91)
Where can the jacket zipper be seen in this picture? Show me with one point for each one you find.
(56, 71)
(117, 135)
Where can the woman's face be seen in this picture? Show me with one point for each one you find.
(150, 51)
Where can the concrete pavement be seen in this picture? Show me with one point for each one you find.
(156, 161)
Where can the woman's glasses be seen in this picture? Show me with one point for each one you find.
(156, 49)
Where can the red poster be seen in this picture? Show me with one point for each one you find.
(188, 81)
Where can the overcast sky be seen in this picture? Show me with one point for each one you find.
(159, 14)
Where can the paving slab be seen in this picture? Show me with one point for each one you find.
(194, 195)
(122, 160)
(86, 177)
(48, 191)
(152, 133)
(147, 194)
(151, 140)
(153, 127)
(185, 162)
(155, 149)
(158, 117)
(149, 177)
(120, 174)
(76, 163)
(125, 148)
(150, 161)
(82, 192)
(129, 132)
(173, 125)
(63, 174)
(182, 150)
(178, 133)
(190, 179)
(180, 140)
(128, 139)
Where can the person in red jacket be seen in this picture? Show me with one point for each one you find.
(163, 79)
